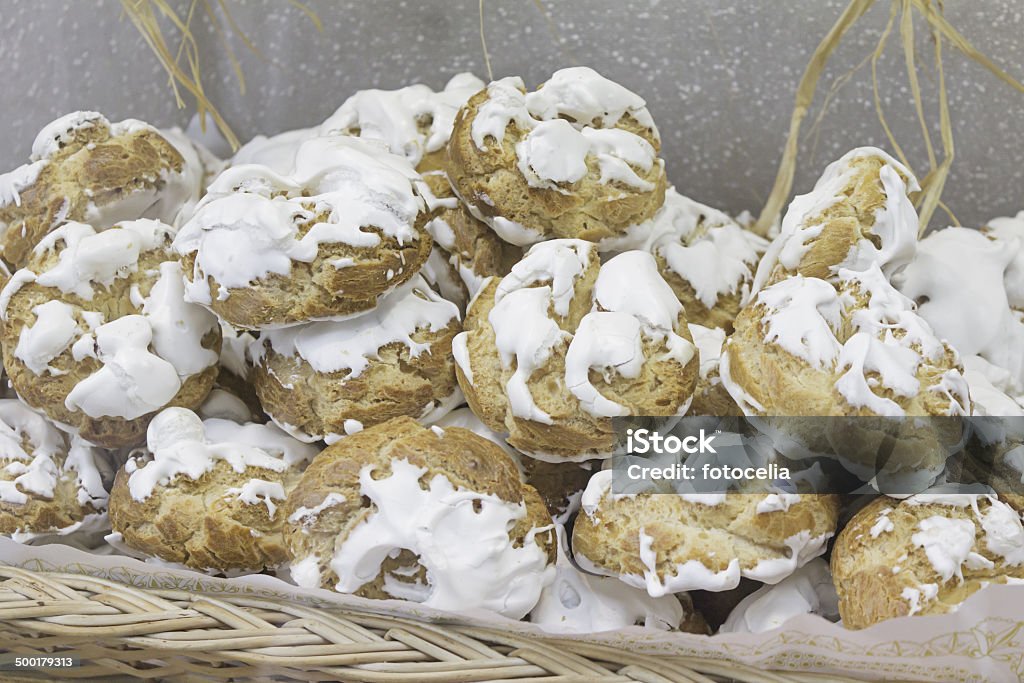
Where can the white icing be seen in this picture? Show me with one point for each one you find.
(394, 117)
(948, 544)
(803, 316)
(709, 342)
(259, 491)
(351, 345)
(917, 596)
(809, 590)
(225, 406)
(777, 502)
(247, 226)
(306, 517)
(53, 332)
(434, 523)
(183, 445)
(883, 524)
(276, 152)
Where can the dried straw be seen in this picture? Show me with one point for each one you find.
(184, 66)
(941, 30)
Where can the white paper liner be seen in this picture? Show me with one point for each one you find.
(982, 642)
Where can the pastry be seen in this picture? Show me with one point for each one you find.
(328, 241)
(858, 215)
(576, 602)
(414, 121)
(50, 483)
(710, 396)
(208, 494)
(96, 332)
(403, 511)
(85, 168)
(327, 379)
(924, 555)
(670, 543)
(809, 590)
(577, 158)
(562, 344)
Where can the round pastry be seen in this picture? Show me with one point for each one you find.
(327, 379)
(96, 332)
(577, 158)
(208, 494)
(562, 344)
(50, 484)
(436, 516)
(710, 396)
(804, 347)
(466, 252)
(325, 242)
(413, 121)
(924, 555)
(669, 543)
(857, 215)
(968, 286)
(705, 256)
(809, 590)
(576, 602)
(84, 168)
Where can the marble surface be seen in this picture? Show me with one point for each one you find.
(719, 76)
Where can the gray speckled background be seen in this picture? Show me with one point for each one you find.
(718, 75)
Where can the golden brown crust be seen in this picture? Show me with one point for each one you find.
(490, 180)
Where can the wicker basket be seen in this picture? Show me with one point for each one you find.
(121, 633)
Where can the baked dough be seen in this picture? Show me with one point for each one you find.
(402, 511)
(208, 494)
(97, 334)
(85, 168)
(578, 158)
(328, 379)
(562, 344)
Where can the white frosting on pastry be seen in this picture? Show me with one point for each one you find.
(147, 355)
(225, 406)
(433, 523)
(809, 590)
(183, 445)
(351, 345)
(48, 459)
(276, 152)
(585, 96)
(259, 492)
(895, 225)
(803, 316)
(963, 281)
(395, 117)
(709, 342)
(948, 544)
(172, 190)
(248, 225)
(576, 602)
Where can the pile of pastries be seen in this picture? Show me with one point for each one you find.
(383, 356)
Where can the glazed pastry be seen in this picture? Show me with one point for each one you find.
(233, 396)
(670, 543)
(576, 602)
(578, 158)
(50, 484)
(96, 332)
(328, 241)
(809, 590)
(84, 168)
(858, 215)
(400, 511)
(924, 555)
(208, 494)
(562, 344)
(328, 379)
(710, 396)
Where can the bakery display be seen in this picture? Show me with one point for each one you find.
(208, 494)
(389, 355)
(387, 513)
(97, 333)
(563, 343)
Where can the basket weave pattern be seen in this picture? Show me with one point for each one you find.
(121, 633)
